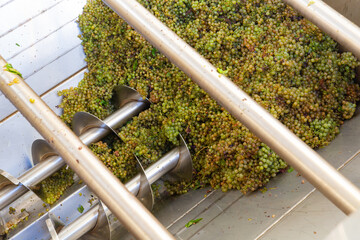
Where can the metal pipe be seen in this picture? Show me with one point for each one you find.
(341, 29)
(50, 165)
(125, 206)
(82, 225)
(167, 163)
(125, 113)
(41, 171)
(88, 220)
(155, 170)
(271, 131)
(10, 193)
(29, 179)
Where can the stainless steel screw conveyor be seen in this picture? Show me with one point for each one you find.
(117, 202)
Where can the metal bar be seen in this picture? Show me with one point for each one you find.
(345, 32)
(88, 220)
(125, 206)
(155, 170)
(53, 163)
(41, 171)
(29, 179)
(10, 193)
(82, 225)
(271, 131)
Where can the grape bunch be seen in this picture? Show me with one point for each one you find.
(280, 59)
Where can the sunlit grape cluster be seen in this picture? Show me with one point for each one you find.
(52, 188)
(279, 58)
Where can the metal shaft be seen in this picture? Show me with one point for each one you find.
(125, 206)
(155, 171)
(53, 163)
(80, 226)
(271, 131)
(87, 221)
(331, 22)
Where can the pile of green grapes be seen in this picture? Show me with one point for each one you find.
(279, 58)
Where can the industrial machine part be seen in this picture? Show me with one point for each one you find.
(271, 131)
(309, 7)
(119, 200)
(176, 164)
(98, 219)
(88, 128)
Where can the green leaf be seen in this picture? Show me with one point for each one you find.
(80, 209)
(290, 169)
(192, 222)
(153, 52)
(8, 67)
(135, 65)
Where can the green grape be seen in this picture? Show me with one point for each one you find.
(280, 59)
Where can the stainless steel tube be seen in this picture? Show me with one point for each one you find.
(30, 178)
(132, 214)
(53, 163)
(41, 171)
(10, 193)
(80, 226)
(88, 220)
(331, 22)
(272, 132)
(124, 114)
(167, 162)
(155, 170)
